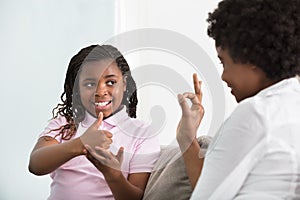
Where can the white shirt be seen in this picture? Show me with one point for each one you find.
(256, 153)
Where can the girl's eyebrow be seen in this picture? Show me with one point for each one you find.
(95, 79)
(110, 76)
(89, 79)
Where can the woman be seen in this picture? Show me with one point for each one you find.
(255, 154)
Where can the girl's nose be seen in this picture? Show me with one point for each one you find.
(101, 90)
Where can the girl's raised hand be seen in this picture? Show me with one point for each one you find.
(94, 137)
(191, 116)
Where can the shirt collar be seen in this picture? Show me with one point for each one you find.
(118, 117)
(276, 88)
(113, 120)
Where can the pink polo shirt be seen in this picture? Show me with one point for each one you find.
(79, 179)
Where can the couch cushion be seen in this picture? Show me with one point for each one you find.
(169, 180)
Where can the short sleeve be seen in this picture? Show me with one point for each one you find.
(54, 124)
(146, 155)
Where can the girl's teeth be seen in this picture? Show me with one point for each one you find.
(102, 103)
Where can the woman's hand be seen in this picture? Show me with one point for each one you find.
(191, 116)
(105, 161)
(94, 137)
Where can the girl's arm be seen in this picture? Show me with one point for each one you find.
(187, 131)
(131, 188)
(110, 165)
(48, 154)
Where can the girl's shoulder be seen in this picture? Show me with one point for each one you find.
(135, 127)
(122, 118)
(58, 121)
(134, 123)
(54, 126)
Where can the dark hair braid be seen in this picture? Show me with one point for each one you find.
(71, 107)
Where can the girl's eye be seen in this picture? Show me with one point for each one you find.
(90, 85)
(111, 82)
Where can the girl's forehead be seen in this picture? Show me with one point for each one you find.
(100, 68)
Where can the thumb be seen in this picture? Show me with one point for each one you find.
(120, 154)
(98, 122)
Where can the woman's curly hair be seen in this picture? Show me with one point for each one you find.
(265, 33)
(71, 107)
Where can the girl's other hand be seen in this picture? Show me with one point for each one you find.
(105, 161)
(191, 116)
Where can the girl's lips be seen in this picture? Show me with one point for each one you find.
(102, 105)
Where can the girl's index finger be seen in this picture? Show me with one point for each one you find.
(197, 87)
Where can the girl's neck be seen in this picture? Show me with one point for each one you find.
(116, 111)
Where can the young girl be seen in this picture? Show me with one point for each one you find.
(97, 110)
(256, 153)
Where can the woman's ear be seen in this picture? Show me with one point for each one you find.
(254, 67)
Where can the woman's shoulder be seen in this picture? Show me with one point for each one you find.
(250, 106)
(250, 113)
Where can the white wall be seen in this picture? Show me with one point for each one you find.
(187, 18)
(37, 41)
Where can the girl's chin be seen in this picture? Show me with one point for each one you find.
(108, 112)
(105, 114)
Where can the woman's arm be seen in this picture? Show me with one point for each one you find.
(187, 131)
(193, 163)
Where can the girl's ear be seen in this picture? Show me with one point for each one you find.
(124, 82)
